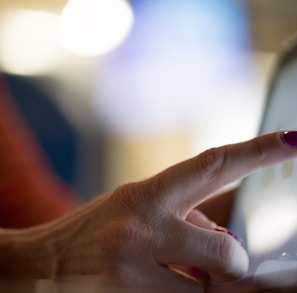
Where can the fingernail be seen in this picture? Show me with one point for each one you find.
(198, 274)
(290, 138)
(225, 230)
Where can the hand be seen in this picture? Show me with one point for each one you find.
(133, 236)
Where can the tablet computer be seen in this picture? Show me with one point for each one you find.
(265, 211)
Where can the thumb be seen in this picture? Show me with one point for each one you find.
(199, 219)
(210, 250)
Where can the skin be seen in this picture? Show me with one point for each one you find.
(143, 236)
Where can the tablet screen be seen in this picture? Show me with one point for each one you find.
(265, 214)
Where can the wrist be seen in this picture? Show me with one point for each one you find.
(23, 254)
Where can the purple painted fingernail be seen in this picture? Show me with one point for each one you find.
(225, 230)
(290, 138)
(198, 274)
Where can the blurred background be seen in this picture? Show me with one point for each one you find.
(118, 90)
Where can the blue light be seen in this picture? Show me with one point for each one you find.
(166, 23)
(162, 77)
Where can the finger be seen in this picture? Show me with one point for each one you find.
(199, 219)
(215, 252)
(219, 207)
(187, 184)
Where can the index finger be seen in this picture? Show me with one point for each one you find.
(191, 182)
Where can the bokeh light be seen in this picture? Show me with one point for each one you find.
(94, 27)
(29, 42)
(183, 61)
(271, 224)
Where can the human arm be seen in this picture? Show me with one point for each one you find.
(132, 236)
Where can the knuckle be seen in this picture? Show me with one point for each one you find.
(142, 198)
(258, 149)
(144, 190)
(130, 196)
(126, 190)
(213, 161)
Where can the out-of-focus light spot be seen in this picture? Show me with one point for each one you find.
(271, 224)
(94, 27)
(185, 65)
(29, 42)
(276, 274)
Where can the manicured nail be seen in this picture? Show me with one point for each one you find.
(290, 138)
(198, 274)
(225, 230)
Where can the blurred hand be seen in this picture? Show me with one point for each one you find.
(138, 235)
